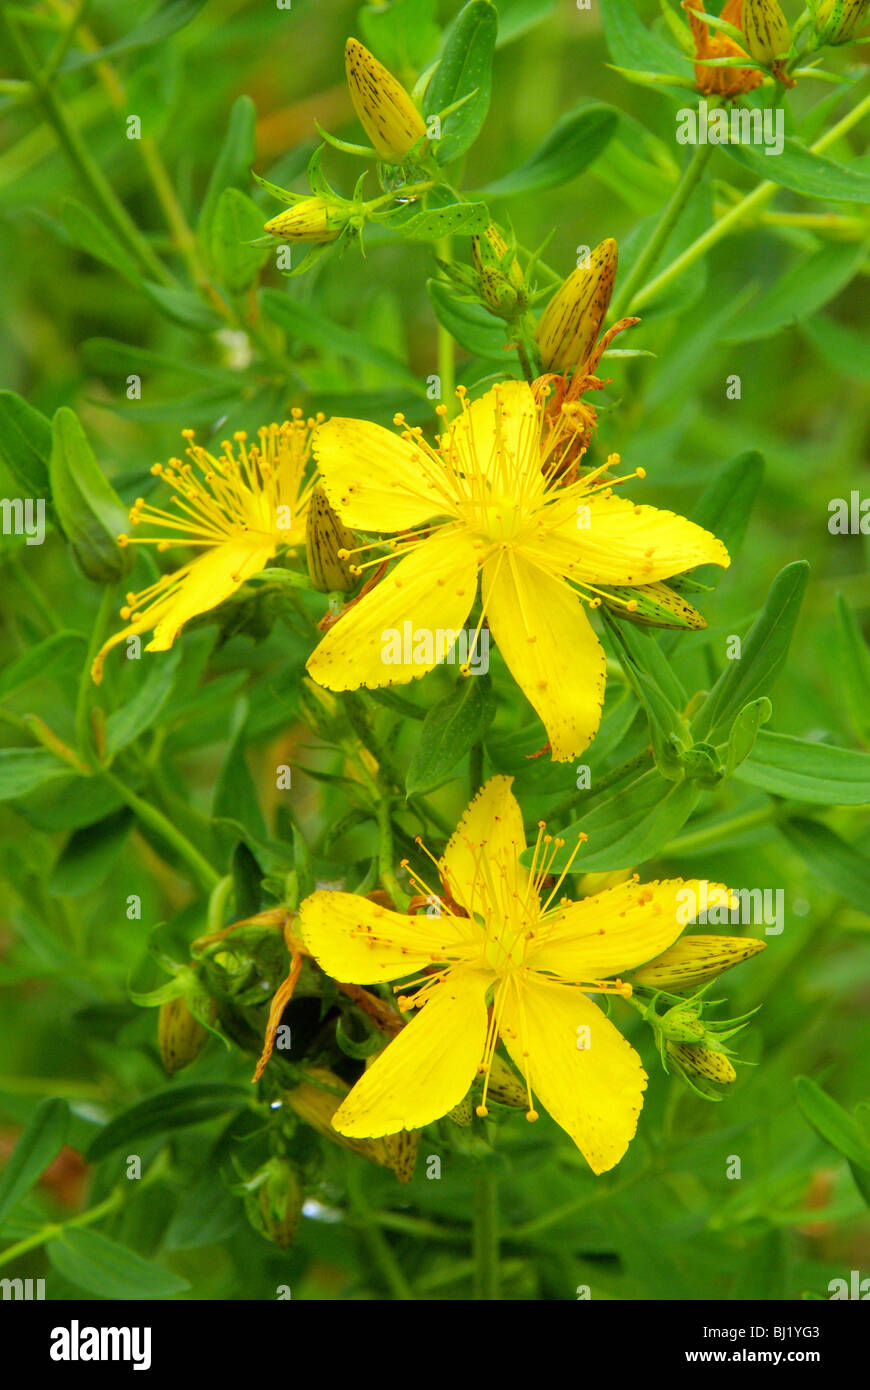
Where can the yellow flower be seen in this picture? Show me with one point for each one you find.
(695, 960)
(501, 963)
(766, 28)
(386, 112)
(311, 219)
(236, 509)
(572, 320)
(489, 501)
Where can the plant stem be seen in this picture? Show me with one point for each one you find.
(446, 363)
(485, 1240)
(626, 298)
(475, 769)
(82, 162)
(205, 875)
(386, 856)
(722, 831)
(86, 1218)
(752, 202)
(378, 1248)
(84, 741)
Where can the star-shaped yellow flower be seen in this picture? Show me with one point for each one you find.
(237, 509)
(500, 963)
(490, 501)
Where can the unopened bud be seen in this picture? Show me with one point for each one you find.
(694, 960)
(652, 605)
(327, 540)
(572, 320)
(701, 1064)
(766, 29)
(312, 219)
(386, 112)
(274, 1206)
(836, 21)
(181, 1036)
(498, 272)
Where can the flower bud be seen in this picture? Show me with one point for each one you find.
(326, 541)
(311, 219)
(694, 960)
(766, 29)
(652, 605)
(274, 1206)
(386, 112)
(701, 1064)
(498, 274)
(836, 21)
(572, 320)
(317, 1103)
(181, 1036)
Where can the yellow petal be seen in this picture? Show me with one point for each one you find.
(498, 437)
(196, 588)
(540, 628)
(410, 618)
(359, 942)
(428, 1068)
(625, 544)
(210, 580)
(617, 930)
(594, 1092)
(490, 833)
(377, 481)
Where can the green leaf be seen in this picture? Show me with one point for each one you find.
(516, 17)
(25, 443)
(58, 654)
(465, 71)
(576, 139)
(182, 307)
(473, 328)
(163, 1113)
(89, 510)
(801, 291)
(853, 667)
(403, 35)
(168, 17)
(304, 324)
(127, 723)
(837, 865)
(799, 169)
(108, 1270)
(725, 508)
(764, 652)
(39, 1144)
(237, 220)
(89, 855)
(232, 168)
(24, 769)
(657, 690)
(111, 358)
(91, 235)
(633, 45)
(804, 771)
(839, 347)
(832, 1123)
(235, 793)
(455, 219)
(448, 731)
(744, 732)
(632, 825)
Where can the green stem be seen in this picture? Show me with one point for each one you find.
(378, 1248)
(86, 1218)
(84, 740)
(722, 831)
(386, 857)
(81, 160)
(626, 299)
(475, 768)
(752, 202)
(205, 875)
(446, 362)
(485, 1240)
